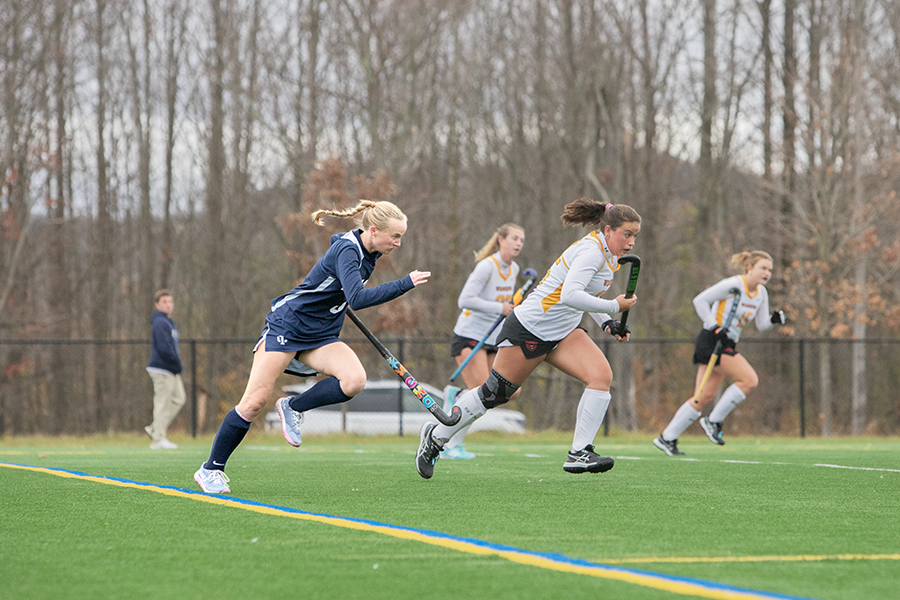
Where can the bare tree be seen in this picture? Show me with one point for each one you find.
(711, 203)
(175, 24)
(139, 61)
(789, 128)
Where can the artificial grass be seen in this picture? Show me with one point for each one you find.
(743, 524)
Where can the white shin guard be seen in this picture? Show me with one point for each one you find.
(684, 418)
(731, 397)
(591, 410)
(470, 404)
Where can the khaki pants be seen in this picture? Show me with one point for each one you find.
(168, 398)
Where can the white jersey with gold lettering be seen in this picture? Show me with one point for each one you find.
(491, 283)
(570, 288)
(714, 303)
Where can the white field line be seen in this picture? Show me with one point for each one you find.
(759, 462)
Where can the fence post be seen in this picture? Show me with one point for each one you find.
(606, 345)
(193, 344)
(800, 358)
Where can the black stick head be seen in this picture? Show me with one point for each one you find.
(633, 259)
(635, 263)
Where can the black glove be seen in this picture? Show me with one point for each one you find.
(615, 328)
(721, 334)
(778, 317)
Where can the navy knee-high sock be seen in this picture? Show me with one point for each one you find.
(231, 432)
(328, 391)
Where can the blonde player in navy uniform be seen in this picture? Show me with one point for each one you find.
(712, 304)
(306, 323)
(487, 294)
(546, 327)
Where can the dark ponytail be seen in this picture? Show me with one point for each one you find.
(585, 211)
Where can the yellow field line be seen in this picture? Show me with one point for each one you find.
(738, 559)
(559, 563)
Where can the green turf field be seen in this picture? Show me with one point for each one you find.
(763, 515)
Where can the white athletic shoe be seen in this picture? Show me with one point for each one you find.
(212, 481)
(587, 461)
(163, 444)
(149, 431)
(713, 431)
(457, 452)
(429, 451)
(670, 447)
(290, 421)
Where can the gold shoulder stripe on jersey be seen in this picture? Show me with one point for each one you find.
(551, 299)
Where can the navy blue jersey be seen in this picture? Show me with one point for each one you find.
(314, 310)
(164, 347)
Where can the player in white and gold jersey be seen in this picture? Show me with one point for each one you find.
(487, 294)
(712, 304)
(545, 327)
(572, 286)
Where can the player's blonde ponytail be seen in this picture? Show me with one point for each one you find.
(744, 261)
(378, 213)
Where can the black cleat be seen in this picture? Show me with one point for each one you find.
(587, 461)
(713, 431)
(667, 446)
(429, 451)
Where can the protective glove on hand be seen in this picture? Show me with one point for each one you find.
(615, 328)
(778, 317)
(721, 334)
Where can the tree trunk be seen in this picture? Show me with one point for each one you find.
(215, 189)
(60, 299)
(856, 32)
(174, 31)
(783, 254)
(859, 397)
(765, 9)
(709, 106)
(453, 150)
(104, 244)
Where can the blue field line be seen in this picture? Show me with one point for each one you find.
(490, 547)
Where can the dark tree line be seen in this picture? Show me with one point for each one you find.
(166, 143)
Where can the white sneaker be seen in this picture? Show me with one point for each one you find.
(457, 452)
(149, 431)
(163, 444)
(212, 481)
(290, 421)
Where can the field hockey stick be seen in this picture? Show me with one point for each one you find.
(410, 381)
(517, 298)
(718, 347)
(635, 263)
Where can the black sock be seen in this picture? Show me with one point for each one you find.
(231, 432)
(328, 391)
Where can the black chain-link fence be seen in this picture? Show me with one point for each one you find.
(806, 386)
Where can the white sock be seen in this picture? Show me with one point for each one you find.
(470, 404)
(591, 410)
(730, 398)
(458, 438)
(684, 418)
